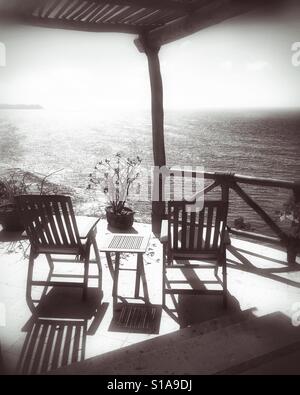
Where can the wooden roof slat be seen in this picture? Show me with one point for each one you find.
(94, 13)
(89, 15)
(166, 18)
(86, 12)
(102, 10)
(109, 12)
(65, 4)
(124, 13)
(145, 17)
(78, 10)
(115, 15)
(132, 15)
(69, 24)
(68, 9)
(144, 14)
(49, 8)
(152, 4)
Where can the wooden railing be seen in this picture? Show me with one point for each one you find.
(230, 181)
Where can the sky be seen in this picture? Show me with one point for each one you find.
(242, 62)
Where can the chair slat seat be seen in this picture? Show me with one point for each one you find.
(58, 250)
(205, 254)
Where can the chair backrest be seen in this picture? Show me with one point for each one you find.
(49, 220)
(198, 231)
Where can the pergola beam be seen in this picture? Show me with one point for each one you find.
(205, 16)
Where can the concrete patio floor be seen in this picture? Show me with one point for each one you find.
(260, 284)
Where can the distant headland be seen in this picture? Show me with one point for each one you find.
(20, 107)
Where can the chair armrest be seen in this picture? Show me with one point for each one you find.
(164, 231)
(86, 225)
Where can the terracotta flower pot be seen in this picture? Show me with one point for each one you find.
(121, 221)
(10, 219)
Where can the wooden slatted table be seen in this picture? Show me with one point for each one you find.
(117, 243)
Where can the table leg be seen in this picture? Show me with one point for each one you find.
(143, 277)
(138, 275)
(115, 280)
(110, 265)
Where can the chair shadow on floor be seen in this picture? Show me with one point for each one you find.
(188, 310)
(56, 334)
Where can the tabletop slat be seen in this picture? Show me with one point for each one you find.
(124, 243)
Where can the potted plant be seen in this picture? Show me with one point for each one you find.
(290, 217)
(15, 182)
(115, 176)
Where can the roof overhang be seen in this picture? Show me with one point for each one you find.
(156, 22)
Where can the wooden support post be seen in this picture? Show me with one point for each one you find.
(157, 110)
(292, 249)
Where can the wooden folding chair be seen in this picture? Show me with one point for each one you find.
(52, 228)
(188, 235)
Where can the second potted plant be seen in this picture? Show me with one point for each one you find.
(116, 176)
(15, 182)
(290, 216)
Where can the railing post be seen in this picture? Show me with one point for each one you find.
(296, 192)
(225, 192)
(225, 179)
(292, 249)
(293, 243)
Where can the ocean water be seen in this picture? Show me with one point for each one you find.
(260, 143)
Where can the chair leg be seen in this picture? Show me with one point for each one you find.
(164, 275)
(50, 263)
(110, 264)
(143, 277)
(224, 272)
(137, 278)
(216, 269)
(86, 270)
(86, 278)
(29, 283)
(51, 266)
(98, 261)
(115, 281)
